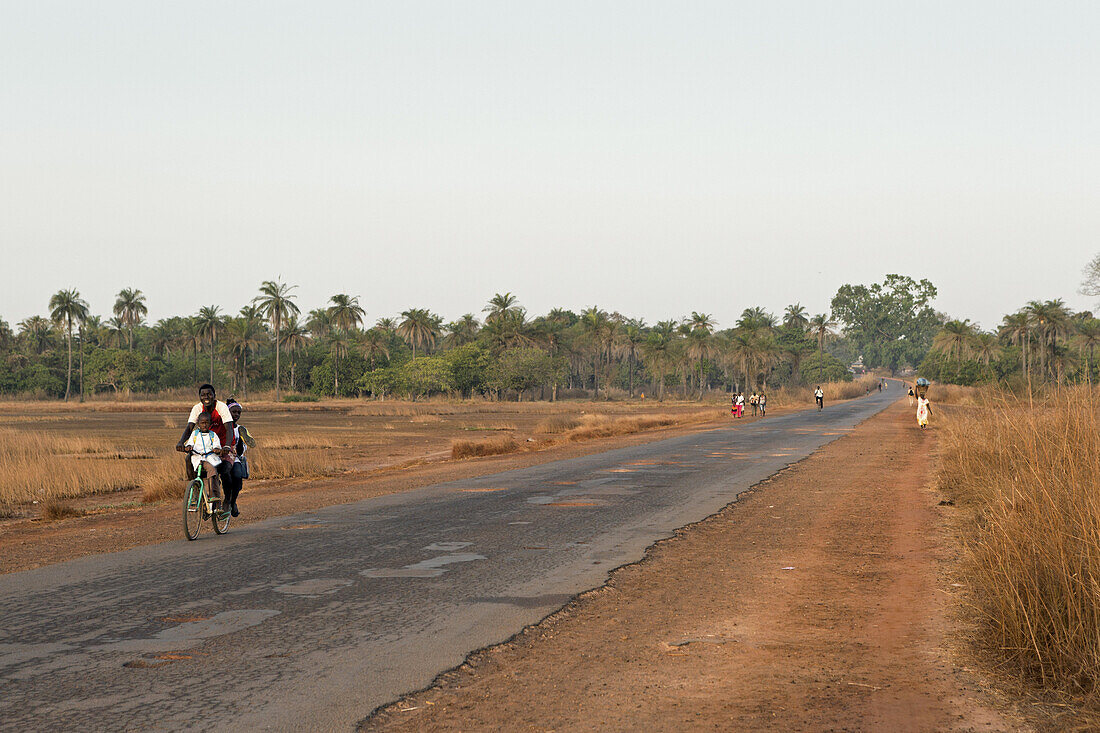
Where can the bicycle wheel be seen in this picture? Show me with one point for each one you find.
(220, 519)
(192, 509)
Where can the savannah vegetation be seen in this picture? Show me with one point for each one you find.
(272, 344)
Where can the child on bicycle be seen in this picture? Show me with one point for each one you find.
(206, 451)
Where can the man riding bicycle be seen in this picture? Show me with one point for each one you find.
(221, 423)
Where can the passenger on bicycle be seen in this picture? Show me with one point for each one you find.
(238, 472)
(206, 451)
(221, 422)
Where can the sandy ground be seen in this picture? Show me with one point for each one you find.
(820, 601)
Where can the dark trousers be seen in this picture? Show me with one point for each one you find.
(232, 486)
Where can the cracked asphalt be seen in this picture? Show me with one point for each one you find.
(312, 621)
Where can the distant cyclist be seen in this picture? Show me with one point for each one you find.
(819, 396)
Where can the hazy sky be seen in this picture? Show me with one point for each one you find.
(651, 158)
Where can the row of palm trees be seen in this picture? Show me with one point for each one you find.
(1044, 332)
(595, 341)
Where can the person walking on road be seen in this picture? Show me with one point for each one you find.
(924, 410)
(819, 397)
(910, 396)
(754, 400)
(740, 404)
(762, 402)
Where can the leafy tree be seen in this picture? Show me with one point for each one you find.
(891, 322)
(120, 370)
(426, 375)
(820, 367)
(469, 365)
(520, 369)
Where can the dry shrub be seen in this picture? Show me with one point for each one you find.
(488, 447)
(557, 424)
(955, 394)
(1029, 476)
(834, 392)
(603, 426)
(52, 510)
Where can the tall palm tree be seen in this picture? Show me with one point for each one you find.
(821, 327)
(338, 342)
(985, 347)
(67, 306)
(698, 346)
(319, 323)
(500, 305)
(210, 322)
(1016, 328)
(244, 336)
(656, 354)
(1088, 338)
(345, 311)
(632, 336)
(277, 305)
(954, 340)
(796, 317)
(386, 325)
(130, 309)
(462, 331)
(36, 330)
(115, 332)
(419, 326)
(594, 325)
(293, 338)
(375, 343)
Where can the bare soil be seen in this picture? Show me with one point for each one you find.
(820, 601)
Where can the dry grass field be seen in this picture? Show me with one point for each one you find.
(1027, 474)
(63, 459)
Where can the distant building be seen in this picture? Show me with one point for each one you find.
(857, 366)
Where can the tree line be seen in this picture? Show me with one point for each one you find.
(271, 344)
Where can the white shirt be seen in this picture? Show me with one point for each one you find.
(818, 393)
(219, 407)
(204, 444)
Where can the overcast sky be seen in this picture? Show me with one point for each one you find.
(650, 158)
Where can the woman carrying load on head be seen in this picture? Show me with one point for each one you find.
(924, 409)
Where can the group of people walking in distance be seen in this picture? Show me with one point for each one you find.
(757, 401)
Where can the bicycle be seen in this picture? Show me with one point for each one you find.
(197, 508)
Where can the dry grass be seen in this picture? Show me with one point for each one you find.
(488, 447)
(557, 424)
(834, 391)
(1029, 477)
(52, 510)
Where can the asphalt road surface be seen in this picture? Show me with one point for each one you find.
(310, 622)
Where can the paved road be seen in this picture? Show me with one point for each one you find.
(328, 614)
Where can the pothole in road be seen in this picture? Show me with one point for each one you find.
(193, 632)
(430, 568)
(313, 587)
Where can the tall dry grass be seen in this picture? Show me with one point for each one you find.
(1029, 474)
(834, 391)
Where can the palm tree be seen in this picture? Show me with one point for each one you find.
(702, 324)
(338, 340)
(795, 316)
(115, 334)
(319, 322)
(954, 340)
(594, 325)
(500, 305)
(375, 343)
(656, 355)
(277, 305)
(210, 322)
(985, 347)
(1016, 328)
(244, 335)
(130, 309)
(345, 311)
(462, 331)
(36, 329)
(293, 338)
(67, 306)
(386, 325)
(1088, 338)
(419, 326)
(821, 327)
(632, 335)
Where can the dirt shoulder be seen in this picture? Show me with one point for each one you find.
(819, 601)
(29, 543)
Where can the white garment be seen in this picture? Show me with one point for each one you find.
(219, 407)
(818, 393)
(205, 446)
